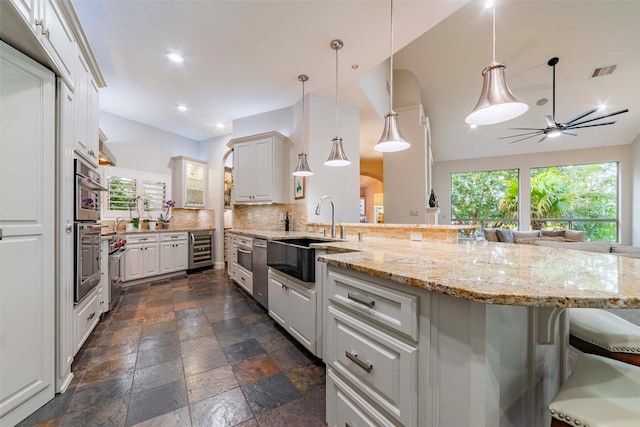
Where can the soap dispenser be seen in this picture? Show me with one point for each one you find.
(286, 221)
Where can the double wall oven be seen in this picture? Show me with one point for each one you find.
(86, 229)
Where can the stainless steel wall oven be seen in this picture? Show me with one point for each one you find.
(87, 260)
(87, 194)
(245, 253)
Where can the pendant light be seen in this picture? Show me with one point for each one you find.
(391, 139)
(303, 168)
(337, 156)
(496, 104)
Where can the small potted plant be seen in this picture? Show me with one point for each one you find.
(165, 215)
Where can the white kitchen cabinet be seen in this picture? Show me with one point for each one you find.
(189, 182)
(259, 174)
(174, 252)
(86, 112)
(27, 235)
(86, 317)
(142, 257)
(57, 38)
(292, 304)
(232, 262)
(26, 10)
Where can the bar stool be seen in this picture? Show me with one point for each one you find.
(600, 332)
(599, 392)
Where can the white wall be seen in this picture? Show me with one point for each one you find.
(620, 153)
(141, 147)
(635, 155)
(213, 151)
(277, 120)
(341, 184)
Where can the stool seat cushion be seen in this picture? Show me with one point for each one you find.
(600, 392)
(604, 329)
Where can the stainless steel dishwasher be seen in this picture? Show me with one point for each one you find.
(260, 275)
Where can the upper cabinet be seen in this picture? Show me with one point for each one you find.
(258, 169)
(86, 112)
(57, 38)
(189, 182)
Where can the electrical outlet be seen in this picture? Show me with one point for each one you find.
(413, 212)
(415, 235)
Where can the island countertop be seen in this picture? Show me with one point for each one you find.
(497, 273)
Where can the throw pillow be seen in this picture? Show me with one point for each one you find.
(520, 235)
(574, 236)
(505, 235)
(490, 235)
(623, 249)
(553, 233)
(597, 246)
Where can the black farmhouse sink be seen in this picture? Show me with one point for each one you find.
(294, 257)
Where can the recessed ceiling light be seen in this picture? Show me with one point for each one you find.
(220, 125)
(473, 126)
(488, 3)
(175, 57)
(602, 107)
(182, 107)
(355, 66)
(542, 101)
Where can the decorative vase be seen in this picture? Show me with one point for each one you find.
(433, 200)
(152, 225)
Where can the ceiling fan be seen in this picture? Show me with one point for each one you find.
(554, 128)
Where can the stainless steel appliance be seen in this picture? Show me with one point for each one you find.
(260, 272)
(245, 253)
(117, 249)
(294, 257)
(87, 195)
(87, 259)
(200, 249)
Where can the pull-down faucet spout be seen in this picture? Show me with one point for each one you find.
(333, 217)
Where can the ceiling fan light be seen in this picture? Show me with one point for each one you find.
(554, 133)
(337, 157)
(496, 104)
(302, 169)
(391, 140)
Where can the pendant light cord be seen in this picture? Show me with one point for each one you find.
(391, 62)
(554, 94)
(494, 31)
(303, 145)
(337, 116)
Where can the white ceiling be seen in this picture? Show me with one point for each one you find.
(243, 58)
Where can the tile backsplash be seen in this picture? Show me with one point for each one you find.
(183, 219)
(267, 217)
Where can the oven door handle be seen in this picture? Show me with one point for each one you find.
(244, 251)
(83, 226)
(90, 183)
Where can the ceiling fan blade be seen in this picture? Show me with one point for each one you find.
(526, 137)
(543, 138)
(538, 129)
(550, 122)
(568, 132)
(593, 125)
(580, 116)
(602, 117)
(521, 134)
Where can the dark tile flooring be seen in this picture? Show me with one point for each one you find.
(193, 351)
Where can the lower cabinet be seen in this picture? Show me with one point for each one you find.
(292, 304)
(153, 254)
(174, 254)
(86, 317)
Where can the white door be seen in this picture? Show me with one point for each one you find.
(243, 173)
(27, 206)
(181, 256)
(166, 257)
(263, 190)
(133, 263)
(151, 262)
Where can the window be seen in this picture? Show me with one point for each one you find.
(579, 197)
(486, 198)
(134, 193)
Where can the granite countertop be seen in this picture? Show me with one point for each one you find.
(276, 234)
(497, 273)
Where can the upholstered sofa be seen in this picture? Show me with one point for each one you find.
(567, 239)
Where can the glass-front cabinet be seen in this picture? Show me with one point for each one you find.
(189, 182)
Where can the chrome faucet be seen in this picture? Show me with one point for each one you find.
(117, 223)
(333, 217)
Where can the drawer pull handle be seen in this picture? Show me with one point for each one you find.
(354, 358)
(360, 300)
(143, 239)
(91, 316)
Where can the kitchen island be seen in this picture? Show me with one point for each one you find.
(470, 334)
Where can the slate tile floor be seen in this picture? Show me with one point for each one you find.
(193, 351)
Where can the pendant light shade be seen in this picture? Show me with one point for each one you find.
(337, 157)
(302, 169)
(496, 104)
(391, 139)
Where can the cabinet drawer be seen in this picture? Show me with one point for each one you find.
(171, 237)
(244, 279)
(244, 241)
(87, 315)
(378, 365)
(132, 239)
(345, 408)
(394, 309)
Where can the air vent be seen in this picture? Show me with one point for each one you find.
(603, 71)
